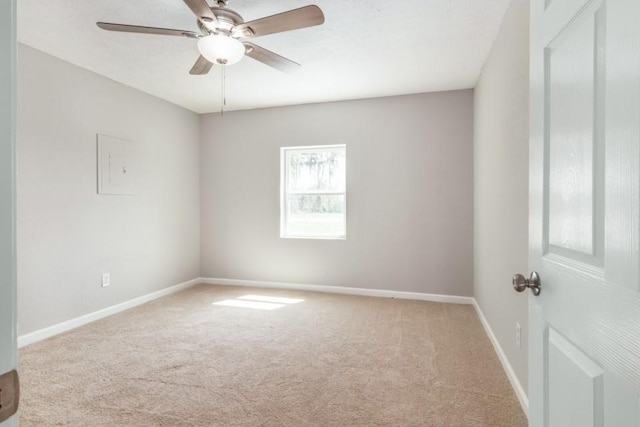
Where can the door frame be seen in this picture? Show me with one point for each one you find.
(8, 291)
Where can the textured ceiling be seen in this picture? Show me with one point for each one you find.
(366, 48)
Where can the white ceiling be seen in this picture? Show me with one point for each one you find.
(366, 48)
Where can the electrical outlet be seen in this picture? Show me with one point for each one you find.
(518, 334)
(106, 280)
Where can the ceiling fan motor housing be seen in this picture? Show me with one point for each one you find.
(227, 19)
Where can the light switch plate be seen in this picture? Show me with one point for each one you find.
(116, 168)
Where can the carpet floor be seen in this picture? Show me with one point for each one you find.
(329, 360)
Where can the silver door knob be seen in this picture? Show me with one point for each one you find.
(520, 283)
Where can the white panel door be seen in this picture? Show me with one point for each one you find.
(8, 344)
(585, 213)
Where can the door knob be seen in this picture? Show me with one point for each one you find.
(520, 283)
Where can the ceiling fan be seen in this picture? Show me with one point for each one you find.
(223, 32)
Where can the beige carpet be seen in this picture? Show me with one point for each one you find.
(331, 360)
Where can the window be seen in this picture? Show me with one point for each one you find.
(313, 192)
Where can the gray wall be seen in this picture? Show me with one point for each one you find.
(501, 147)
(409, 186)
(67, 234)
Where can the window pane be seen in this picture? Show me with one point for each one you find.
(320, 170)
(316, 216)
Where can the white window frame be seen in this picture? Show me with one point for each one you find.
(284, 211)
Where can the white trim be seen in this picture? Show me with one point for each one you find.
(508, 369)
(67, 325)
(452, 299)
(321, 147)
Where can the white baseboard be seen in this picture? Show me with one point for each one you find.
(341, 290)
(50, 331)
(508, 369)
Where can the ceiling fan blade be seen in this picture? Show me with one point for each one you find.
(201, 9)
(307, 16)
(146, 30)
(201, 67)
(270, 58)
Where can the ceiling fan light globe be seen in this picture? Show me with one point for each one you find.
(222, 50)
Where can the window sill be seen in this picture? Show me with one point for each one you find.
(314, 238)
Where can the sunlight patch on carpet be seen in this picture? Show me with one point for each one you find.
(249, 304)
(259, 302)
(277, 300)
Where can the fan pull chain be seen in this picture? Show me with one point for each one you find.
(223, 99)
